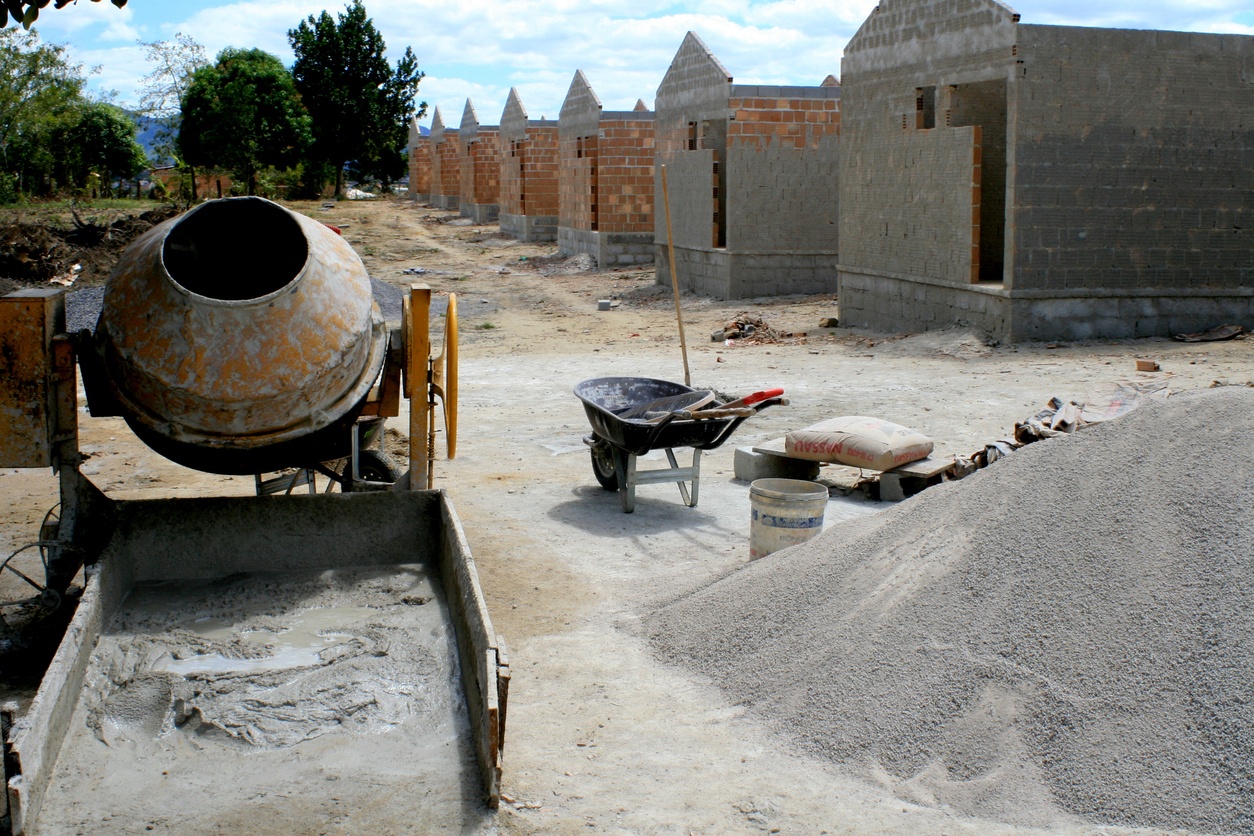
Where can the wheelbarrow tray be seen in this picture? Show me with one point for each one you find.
(605, 398)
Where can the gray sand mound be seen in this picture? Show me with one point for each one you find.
(1066, 637)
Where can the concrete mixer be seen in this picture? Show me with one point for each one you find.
(238, 338)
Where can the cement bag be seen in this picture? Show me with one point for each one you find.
(858, 441)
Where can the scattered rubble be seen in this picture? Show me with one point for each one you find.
(559, 265)
(1221, 332)
(752, 330)
(1062, 418)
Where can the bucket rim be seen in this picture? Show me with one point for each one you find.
(799, 490)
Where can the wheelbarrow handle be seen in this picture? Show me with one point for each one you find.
(756, 397)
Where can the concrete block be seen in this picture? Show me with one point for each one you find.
(751, 465)
(891, 489)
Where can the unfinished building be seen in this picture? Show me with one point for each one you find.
(529, 152)
(752, 181)
(419, 148)
(479, 163)
(605, 179)
(446, 177)
(1044, 182)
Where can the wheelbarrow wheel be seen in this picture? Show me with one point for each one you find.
(603, 465)
(377, 466)
(372, 466)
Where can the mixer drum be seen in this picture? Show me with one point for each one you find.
(241, 338)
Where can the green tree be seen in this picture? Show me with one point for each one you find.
(243, 113)
(26, 12)
(162, 90)
(101, 142)
(173, 64)
(360, 105)
(41, 92)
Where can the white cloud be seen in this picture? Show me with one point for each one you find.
(1181, 15)
(120, 69)
(110, 22)
(481, 50)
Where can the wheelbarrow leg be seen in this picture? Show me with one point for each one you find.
(625, 467)
(690, 501)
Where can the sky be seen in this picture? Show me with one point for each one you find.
(478, 51)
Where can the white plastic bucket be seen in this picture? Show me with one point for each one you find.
(784, 512)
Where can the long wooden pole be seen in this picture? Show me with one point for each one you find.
(670, 250)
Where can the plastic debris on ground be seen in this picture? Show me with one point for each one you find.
(1062, 418)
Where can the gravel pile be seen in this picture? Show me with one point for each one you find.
(1063, 639)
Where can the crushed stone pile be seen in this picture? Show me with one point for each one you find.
(1063, 639)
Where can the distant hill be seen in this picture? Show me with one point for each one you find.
(146, 135)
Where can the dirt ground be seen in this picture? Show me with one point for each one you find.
(601, 737)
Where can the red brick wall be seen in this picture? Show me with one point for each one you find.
(790, 123)
(420, 168)
(529, 181)
(606, 182)
(207, 185)
(479, 162)
(446, 178)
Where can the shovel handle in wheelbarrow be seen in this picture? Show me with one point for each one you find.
(732, 411)
(737, 419)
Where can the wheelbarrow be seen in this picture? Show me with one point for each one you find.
(632, 416)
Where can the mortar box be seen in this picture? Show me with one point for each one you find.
(289, 557)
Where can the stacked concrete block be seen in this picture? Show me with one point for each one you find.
(479, 166)
(529, 178)
(446, 177)
(605, 180)
(419, 149)
(1109, 176)
(752, 175)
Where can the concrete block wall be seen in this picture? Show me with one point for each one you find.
(690, 183)
(1134, 161)
(898, 303)
(746, 166)
(610, 249)
(916, 205)
(938, 34)
(911, 190)
(1113, 173)
(727, 275)
(693, 95)
(784, 199)
(529, 174)
(529, 228)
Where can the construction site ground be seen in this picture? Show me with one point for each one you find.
(601, 737)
